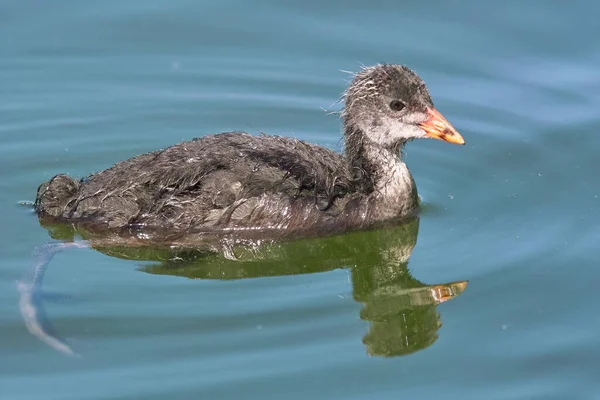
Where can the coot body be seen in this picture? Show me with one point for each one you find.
(237, 182)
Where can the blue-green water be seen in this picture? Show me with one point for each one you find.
(515, 212)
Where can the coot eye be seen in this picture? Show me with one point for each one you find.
(396, 105)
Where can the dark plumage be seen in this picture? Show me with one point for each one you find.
(239, 182)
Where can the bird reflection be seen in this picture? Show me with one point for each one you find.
(401, 310)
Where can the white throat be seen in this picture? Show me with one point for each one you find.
(394, 191)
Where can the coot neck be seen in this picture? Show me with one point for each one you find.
(378, 171)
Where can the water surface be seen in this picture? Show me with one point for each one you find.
(379, 315)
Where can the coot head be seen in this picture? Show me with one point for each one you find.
(388, 105)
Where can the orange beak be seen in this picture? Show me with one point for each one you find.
(437, 127)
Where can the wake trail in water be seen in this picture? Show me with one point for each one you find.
(31, 299)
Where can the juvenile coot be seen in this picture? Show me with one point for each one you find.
(236, 182)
